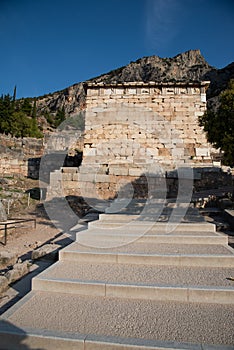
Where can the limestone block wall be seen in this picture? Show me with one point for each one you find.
(19, 155)
(136, 130)
(163, 118)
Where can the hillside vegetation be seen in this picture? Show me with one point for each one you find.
(18, 118)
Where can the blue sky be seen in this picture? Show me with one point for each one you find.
(47, 45)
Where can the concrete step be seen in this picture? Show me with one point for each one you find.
(100, 237)
(153, 254)
(45, 320)
(129, 223)
(191, 284)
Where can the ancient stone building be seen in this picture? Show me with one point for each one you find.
(134, 129)
(161, 118)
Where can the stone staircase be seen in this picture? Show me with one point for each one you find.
(128, 282)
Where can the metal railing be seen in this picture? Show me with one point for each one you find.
(12, 223)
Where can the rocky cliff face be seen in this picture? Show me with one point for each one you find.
(187, 66)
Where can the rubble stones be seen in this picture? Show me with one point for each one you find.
(49, 251)
(19, 270)
(7, 259)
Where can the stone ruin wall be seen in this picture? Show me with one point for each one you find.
(19, 156)
(136, 128)
(22, 156)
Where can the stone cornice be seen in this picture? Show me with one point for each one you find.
(90, 85)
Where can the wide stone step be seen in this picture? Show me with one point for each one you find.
(101, 237)
(153, 254)
(154, 248)
(177, 260)
(152, 226)
(191, 284)
(45, 320)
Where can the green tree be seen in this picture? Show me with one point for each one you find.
(14, 94)
(34, 126)
(26, 107)
(16, 118)
(219, 125)
(49, 118)
(23, 126)
(6, 110)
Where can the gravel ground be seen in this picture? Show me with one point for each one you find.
(141, 274)
(182, 322)
(155, 248)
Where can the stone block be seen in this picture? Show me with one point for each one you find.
(102, 178)
(19, 270)
(89, 151)
(75, 177)
(177, 152)
(88, 168)
(118, 170)
(137, 160)
(67, 177)
(217, 163)
(50, 251)
(70, 170)
(136, 171)
(7, 259)
(164, 152)
(202, 152)
(70, 185)
(98, 109)
(87, 177)
(3, 284)
(203, 97)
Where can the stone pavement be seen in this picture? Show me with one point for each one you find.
(128, 282)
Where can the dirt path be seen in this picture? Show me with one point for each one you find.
(22, 240)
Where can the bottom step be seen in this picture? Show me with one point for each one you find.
(13, 338)
(41, 320)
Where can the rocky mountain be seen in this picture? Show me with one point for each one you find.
(187, 66)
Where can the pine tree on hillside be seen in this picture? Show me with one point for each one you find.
(18, 118)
